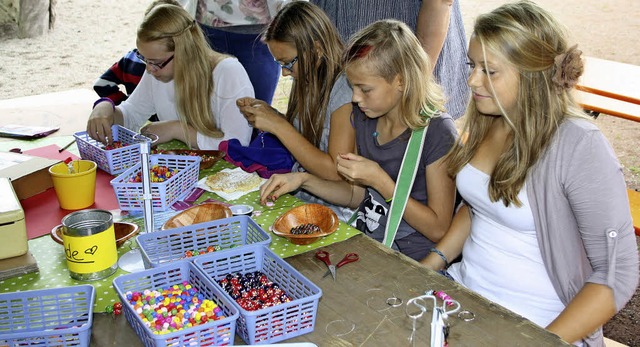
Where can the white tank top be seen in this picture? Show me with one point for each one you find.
(501, 258)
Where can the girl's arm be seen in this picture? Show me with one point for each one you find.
(336, 192)
(595, 188)
(453, 241)
(590, 308)
(315, 161)
(433, 219)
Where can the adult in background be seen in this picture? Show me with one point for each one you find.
(190, 87)
(437, 24)
(234, 27)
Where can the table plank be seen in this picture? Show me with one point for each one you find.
(611, 79)
(353, 310)
(604, 105)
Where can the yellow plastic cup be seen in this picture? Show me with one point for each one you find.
(75, 190)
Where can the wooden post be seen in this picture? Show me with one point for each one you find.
(33, 18)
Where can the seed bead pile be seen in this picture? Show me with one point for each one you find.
(173, 308)
(253, 291)
(114, 145)
(305, 229)
(195, 252)
(159, 173)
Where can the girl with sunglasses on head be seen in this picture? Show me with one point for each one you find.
(546, 229)
(316, 127)
(395, 94)
(190, 87)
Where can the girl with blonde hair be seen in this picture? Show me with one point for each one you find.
(544, 193)
(316, 127)
(190, 87)
(395, 94)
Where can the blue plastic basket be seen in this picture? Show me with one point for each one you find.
(160, 247)
(213, 333)
(164, 194)
(113, 161)
(275, 323)
(47, 317)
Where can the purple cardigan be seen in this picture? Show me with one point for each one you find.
(580, 207)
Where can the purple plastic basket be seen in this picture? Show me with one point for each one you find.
(113, 161)
(164, 246)
(164, 194)
(276, 323)
(213, 333)
(47, 317)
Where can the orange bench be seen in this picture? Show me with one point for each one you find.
(612, 88)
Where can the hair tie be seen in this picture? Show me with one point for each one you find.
(568, 68)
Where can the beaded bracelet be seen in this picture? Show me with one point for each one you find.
(437, 251)
(104, 99)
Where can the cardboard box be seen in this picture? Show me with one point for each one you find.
(29, 175)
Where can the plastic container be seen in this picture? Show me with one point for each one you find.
(116, 160)
(276, 323)
(214, 333)
(47, 317)
(164, 194)
(164, 246)
(75, 190)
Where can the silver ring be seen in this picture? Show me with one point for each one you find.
(466, 316)
(394, 301)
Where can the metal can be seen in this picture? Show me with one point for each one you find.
(90, 244)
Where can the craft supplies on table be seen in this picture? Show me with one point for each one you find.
(90, 244)
(271, 324)
(47, 317)
(177, 276)
(123, 153)
(169, 245)
(165, 191)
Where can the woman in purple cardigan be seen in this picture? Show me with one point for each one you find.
(546, 229)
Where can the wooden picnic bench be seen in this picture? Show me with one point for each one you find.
(612, 88)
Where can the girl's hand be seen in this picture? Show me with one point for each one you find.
(359, 170)
(100, 122)
(165, 130)
(278, 185)
(259, 114)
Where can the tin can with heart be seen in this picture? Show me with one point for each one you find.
(90, 244)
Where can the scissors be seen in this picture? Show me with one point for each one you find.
(324, 256)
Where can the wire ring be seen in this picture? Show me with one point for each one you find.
(466, 316)
(394, 301)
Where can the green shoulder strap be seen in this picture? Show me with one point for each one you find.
(406, 177)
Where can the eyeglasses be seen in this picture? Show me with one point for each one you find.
(156, 66)
(289, 65)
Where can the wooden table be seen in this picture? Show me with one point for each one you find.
(353, 310)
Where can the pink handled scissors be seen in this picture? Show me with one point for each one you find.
(324, 256)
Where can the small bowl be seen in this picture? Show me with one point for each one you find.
(208, 158)
(317, 214)
(198, 214)
(123, 232)
(239, 210)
